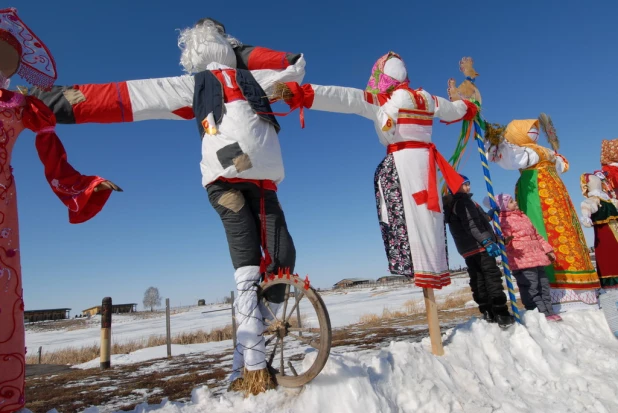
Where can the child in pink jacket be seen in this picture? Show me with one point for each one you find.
(528, 254)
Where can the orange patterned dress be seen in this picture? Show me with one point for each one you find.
(542, 196)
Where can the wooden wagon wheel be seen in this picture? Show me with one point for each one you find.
(291, 366)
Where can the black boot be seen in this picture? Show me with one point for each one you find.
(505, 321)
(489, 317)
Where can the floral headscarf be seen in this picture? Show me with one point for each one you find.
(609, 151)
(379, 82)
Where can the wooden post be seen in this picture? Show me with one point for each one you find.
(233, 320)
(40, 352)
(433, 322)
(168, 327)
(106, 333)
(296, 291)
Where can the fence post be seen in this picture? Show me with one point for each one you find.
(168, 327)
(40, 351)
(106, 333)
(233, 320)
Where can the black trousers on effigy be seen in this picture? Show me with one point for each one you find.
(238, 206)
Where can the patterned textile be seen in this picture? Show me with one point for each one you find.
(609, 151)
(605, 222)
(542, 196)
(380, 82)
(393, 225)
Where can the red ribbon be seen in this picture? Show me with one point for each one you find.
(266, 260)
(302, 97)
(452, 178)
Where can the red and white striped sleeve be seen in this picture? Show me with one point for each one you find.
(117, 102)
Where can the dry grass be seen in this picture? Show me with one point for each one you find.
(410, 307)
(452, 301)
(455, 300)
(87, 353)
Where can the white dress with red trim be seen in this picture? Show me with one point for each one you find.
(409, 207)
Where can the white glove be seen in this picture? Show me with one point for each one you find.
(587, 222)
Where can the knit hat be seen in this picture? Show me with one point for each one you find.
(502, 200)
(466, 181)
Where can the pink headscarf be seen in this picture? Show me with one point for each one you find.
(379, 82)
(502, 200)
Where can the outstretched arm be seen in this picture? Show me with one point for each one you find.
(116, 102)
(83, 195)
(267, 76)
(451, 112)
(512, 157)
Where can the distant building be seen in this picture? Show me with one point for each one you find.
(352, 282)
(116, 309)
(32, 316)
(392, 279)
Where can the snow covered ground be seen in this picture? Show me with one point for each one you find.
(344, 308)
(543, 367)
(571, 366)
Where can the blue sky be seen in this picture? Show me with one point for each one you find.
(555, 57)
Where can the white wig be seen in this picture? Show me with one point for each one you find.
(204, 44)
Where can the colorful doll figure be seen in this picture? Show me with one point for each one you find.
(22, 53)
(542, 196)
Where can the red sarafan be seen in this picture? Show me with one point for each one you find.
(22, 53)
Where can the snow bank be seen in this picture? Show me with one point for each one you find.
(544, 367)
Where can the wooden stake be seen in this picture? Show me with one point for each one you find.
(434, 324)
(233, 320)
(106, 333)
(168, 327)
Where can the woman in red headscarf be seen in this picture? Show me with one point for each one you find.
(22, 53)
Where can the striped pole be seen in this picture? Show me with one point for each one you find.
(496, 220)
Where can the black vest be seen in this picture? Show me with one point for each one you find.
(208, 97)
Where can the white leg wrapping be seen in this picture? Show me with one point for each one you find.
(250, 348)
(274, 307)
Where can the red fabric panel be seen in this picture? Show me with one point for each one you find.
(230, 94)
(185, 112)
(421, 197)
(266, 184)
(105, 103)
(75, 190)
(263, 58)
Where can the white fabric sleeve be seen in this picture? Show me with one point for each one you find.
(561, 165)
(159, 98)
(268, 77)
(343, 100)
(512, 157)
(449, 111)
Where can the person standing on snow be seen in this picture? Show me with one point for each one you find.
(529, 253)
(476, 242)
